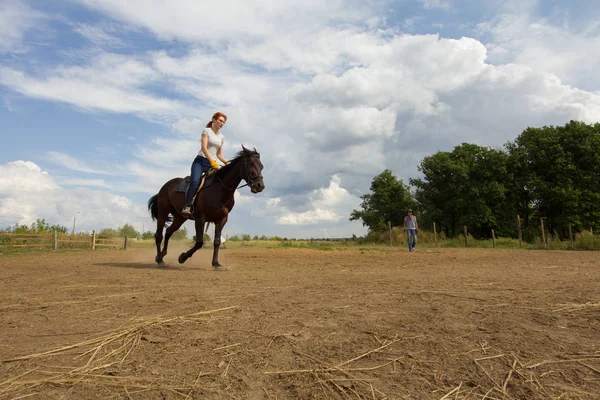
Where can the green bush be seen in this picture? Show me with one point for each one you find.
(108, 233)
(39, 226)
(309, 244)
(586, 241)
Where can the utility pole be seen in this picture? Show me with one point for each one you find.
(74, 220)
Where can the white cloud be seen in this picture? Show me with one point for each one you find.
(309, 217)
(231, 19)
(103, 34)
(24, 177)
(28, 193)
(429, 4)
(316, 51)
(16, 19)
(90, 95)
(570, 52)
(74, 164)
(404, 73)
(114, 70)
(98, 183)
(325, 206)
(330, 128)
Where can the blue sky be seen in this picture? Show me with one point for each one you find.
(102, 101)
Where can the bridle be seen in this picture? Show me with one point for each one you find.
(251, 182)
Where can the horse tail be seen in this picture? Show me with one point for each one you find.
(153, 207)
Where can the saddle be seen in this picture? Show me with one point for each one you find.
(205, 181)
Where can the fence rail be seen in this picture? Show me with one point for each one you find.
(61, 241)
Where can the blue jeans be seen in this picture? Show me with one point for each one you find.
(199, 165)
(412, 238)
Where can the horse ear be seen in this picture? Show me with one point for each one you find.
(244, 149)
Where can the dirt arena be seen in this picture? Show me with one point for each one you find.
(356, 323)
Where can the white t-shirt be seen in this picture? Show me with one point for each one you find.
(214, 143)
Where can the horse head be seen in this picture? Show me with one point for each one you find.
(252, 171)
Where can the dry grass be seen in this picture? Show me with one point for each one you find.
(99, 354)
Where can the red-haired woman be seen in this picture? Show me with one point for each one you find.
(211, 149)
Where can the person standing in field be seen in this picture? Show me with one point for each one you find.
(411, 227)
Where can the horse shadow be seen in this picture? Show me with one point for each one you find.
(139, 265)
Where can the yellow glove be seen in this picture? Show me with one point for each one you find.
(214, 164)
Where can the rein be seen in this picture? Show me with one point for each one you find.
(251, 181)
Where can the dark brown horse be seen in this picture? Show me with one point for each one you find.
(212, 203)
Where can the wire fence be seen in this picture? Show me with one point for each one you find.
(59, 241)
(583, 240)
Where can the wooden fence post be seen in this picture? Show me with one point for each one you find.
(125, 244)
(390, 226)
(493, 238)
(543, 232)
(519, 230)
(571, 234)
(435, 235)
(94, 240)
(54, 240)
(466, 238)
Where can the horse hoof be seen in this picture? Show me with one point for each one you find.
(219, 267)
(182, 258)
(162, 264)
(158, 260)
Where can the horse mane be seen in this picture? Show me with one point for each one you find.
(239, 155)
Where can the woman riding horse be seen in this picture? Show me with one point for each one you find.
(213, 203)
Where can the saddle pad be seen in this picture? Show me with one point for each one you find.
(183, 185)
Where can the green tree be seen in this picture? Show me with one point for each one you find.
(559, 170)
(388, 201)
(108, 233)
(464, 187)
(180, 234)
(39, 226)
(129, 231)
(148, 235)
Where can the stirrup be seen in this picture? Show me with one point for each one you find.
(187, 211)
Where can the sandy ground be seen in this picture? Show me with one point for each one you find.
(370, 323)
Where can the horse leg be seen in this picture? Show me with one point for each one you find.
(178, 220)
(158, 236)
(199, 241)
(217, 243)
(162, 215)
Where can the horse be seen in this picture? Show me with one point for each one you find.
(212, 203)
